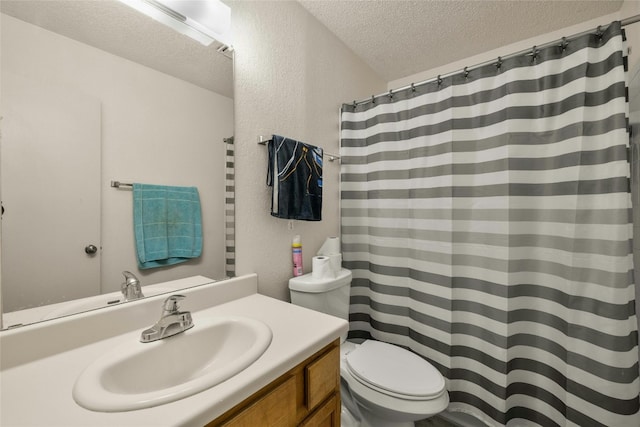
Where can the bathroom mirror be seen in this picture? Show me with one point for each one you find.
(95, 92)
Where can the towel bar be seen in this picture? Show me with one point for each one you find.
(118, 184)
(263, 141)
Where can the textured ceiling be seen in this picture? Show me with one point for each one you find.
(120, 30)
(396, 38)
(401, 38)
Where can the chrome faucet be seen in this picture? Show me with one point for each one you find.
(172, 322)
(131, 287)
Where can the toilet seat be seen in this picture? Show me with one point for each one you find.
(394, 371)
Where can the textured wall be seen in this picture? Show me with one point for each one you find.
(291, 76)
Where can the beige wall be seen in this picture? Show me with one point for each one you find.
(155, 129)
(291, 76)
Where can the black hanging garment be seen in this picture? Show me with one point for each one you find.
(295, 175)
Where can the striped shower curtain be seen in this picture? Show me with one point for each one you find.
(486, 219)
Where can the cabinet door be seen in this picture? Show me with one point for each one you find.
(323, 377)
(276, 409)
(327, 415)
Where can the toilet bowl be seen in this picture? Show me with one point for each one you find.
(382, 385)
(389, 385)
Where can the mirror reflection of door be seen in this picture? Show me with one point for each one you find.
(42, 122)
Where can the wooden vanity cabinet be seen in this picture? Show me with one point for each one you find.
(306, 396)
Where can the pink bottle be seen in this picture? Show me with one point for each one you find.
(296, 249)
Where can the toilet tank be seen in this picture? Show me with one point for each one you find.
(327, 295)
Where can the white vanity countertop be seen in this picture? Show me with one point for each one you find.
(51, 311)
(39, 392)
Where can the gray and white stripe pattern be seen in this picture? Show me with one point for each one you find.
(229, 208)
(487, 222)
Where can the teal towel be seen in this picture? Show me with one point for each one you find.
(167, 224)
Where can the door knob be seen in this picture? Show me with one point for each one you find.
(90, 249)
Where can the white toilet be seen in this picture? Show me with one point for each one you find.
(383, 385)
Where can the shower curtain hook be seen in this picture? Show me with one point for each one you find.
(439, 80)
(499, 63)
(466, 73)
(599, 32)
(534, 53)
(413, 88)
(563, 44)
(390, 94)
(373, 99)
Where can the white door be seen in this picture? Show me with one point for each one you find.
(50, 177)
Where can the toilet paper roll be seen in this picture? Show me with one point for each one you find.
(331, 246)
(321, 268)
(336, 263)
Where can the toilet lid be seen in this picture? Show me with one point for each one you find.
(395, 370)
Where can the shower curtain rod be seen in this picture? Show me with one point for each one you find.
(563, 40)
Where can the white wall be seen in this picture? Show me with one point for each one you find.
(155, 129)
(291, 77)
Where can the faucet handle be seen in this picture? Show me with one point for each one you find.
(171, 304)
(131, 287)
(129, 278)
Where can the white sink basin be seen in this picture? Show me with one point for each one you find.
(139, 375)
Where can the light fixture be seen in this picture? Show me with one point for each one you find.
(202, 20)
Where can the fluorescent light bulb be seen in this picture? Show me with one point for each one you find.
(202, 20)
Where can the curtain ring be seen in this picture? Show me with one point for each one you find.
(499, 63)
(466, 73)
(390, 94)
(563, 44)
(439, 80)
(534, 54)
(599, 32)
(355, 105)
(413, 88)
(373, 99)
